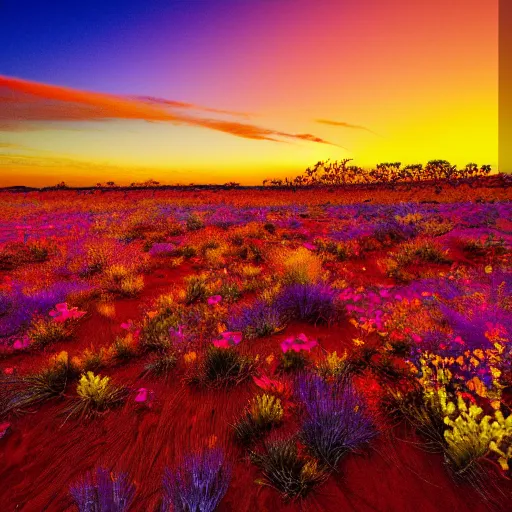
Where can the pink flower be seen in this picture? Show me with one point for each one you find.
(268, 384)
(4, 429)
(130, 326)
(142, 395)
(309, 246)
(61, 313)
(21, 344)
(9, 371)
(127, 325)
(229, 339)
(298, 343)
(214, 299)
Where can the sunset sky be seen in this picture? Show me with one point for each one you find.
(209, 91)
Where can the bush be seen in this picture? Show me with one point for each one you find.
(198, 485)
(264, 412)
(302, 267)
(95, 395)
(43, 333)
(223, 366)
(260, 319)
(336, 419)
(285, 469)
(103, 492)
(17, 394)
(311, 303)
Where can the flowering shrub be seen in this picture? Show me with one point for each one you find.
(336, 419)
(199, 483)
(103, 491)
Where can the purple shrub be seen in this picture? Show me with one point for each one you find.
(308, 302)
(336, 420)
(259, 319)
(103, 492)
(198, 485)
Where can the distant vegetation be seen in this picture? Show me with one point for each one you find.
(339, 173)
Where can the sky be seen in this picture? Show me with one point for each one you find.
(211, 91)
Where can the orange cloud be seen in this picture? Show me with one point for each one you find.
(344, 125)
(22, 101)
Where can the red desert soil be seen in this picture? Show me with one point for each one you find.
(44, 455)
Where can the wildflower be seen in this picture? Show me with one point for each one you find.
(229, 339)
(266, 383)
(358, 342)
(9, 371)
(130, 326)
(298, 343)
(61, 313)
(214, 299)
(144, 396)
(189, 357)
(21, 344)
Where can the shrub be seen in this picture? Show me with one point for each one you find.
(161, 364)
(43, 332)
(194, 222)
(288, 471)
(95, 395)
(264, 412)
(122, 280)
(471, 435)
(198, 484)
(124, 348)
(103, 492)
(311, 303)
(222, 366)
(258, 320)
(302, 267)
(197, 289)
(336, 419)
(333, 366)
(17, 394)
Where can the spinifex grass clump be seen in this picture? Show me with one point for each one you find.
(291, 473)
(264, 412)
(19, 393)
(198, 484)
(336, 419)
(161, 365)
(313, 303)
(96, 395)
(222, 367)
(103, 491)
(44, 332)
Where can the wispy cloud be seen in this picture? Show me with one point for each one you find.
(342, 124)
(23, 102)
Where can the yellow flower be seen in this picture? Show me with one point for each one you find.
(269, 359)
(358, 342)
(488, 269)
